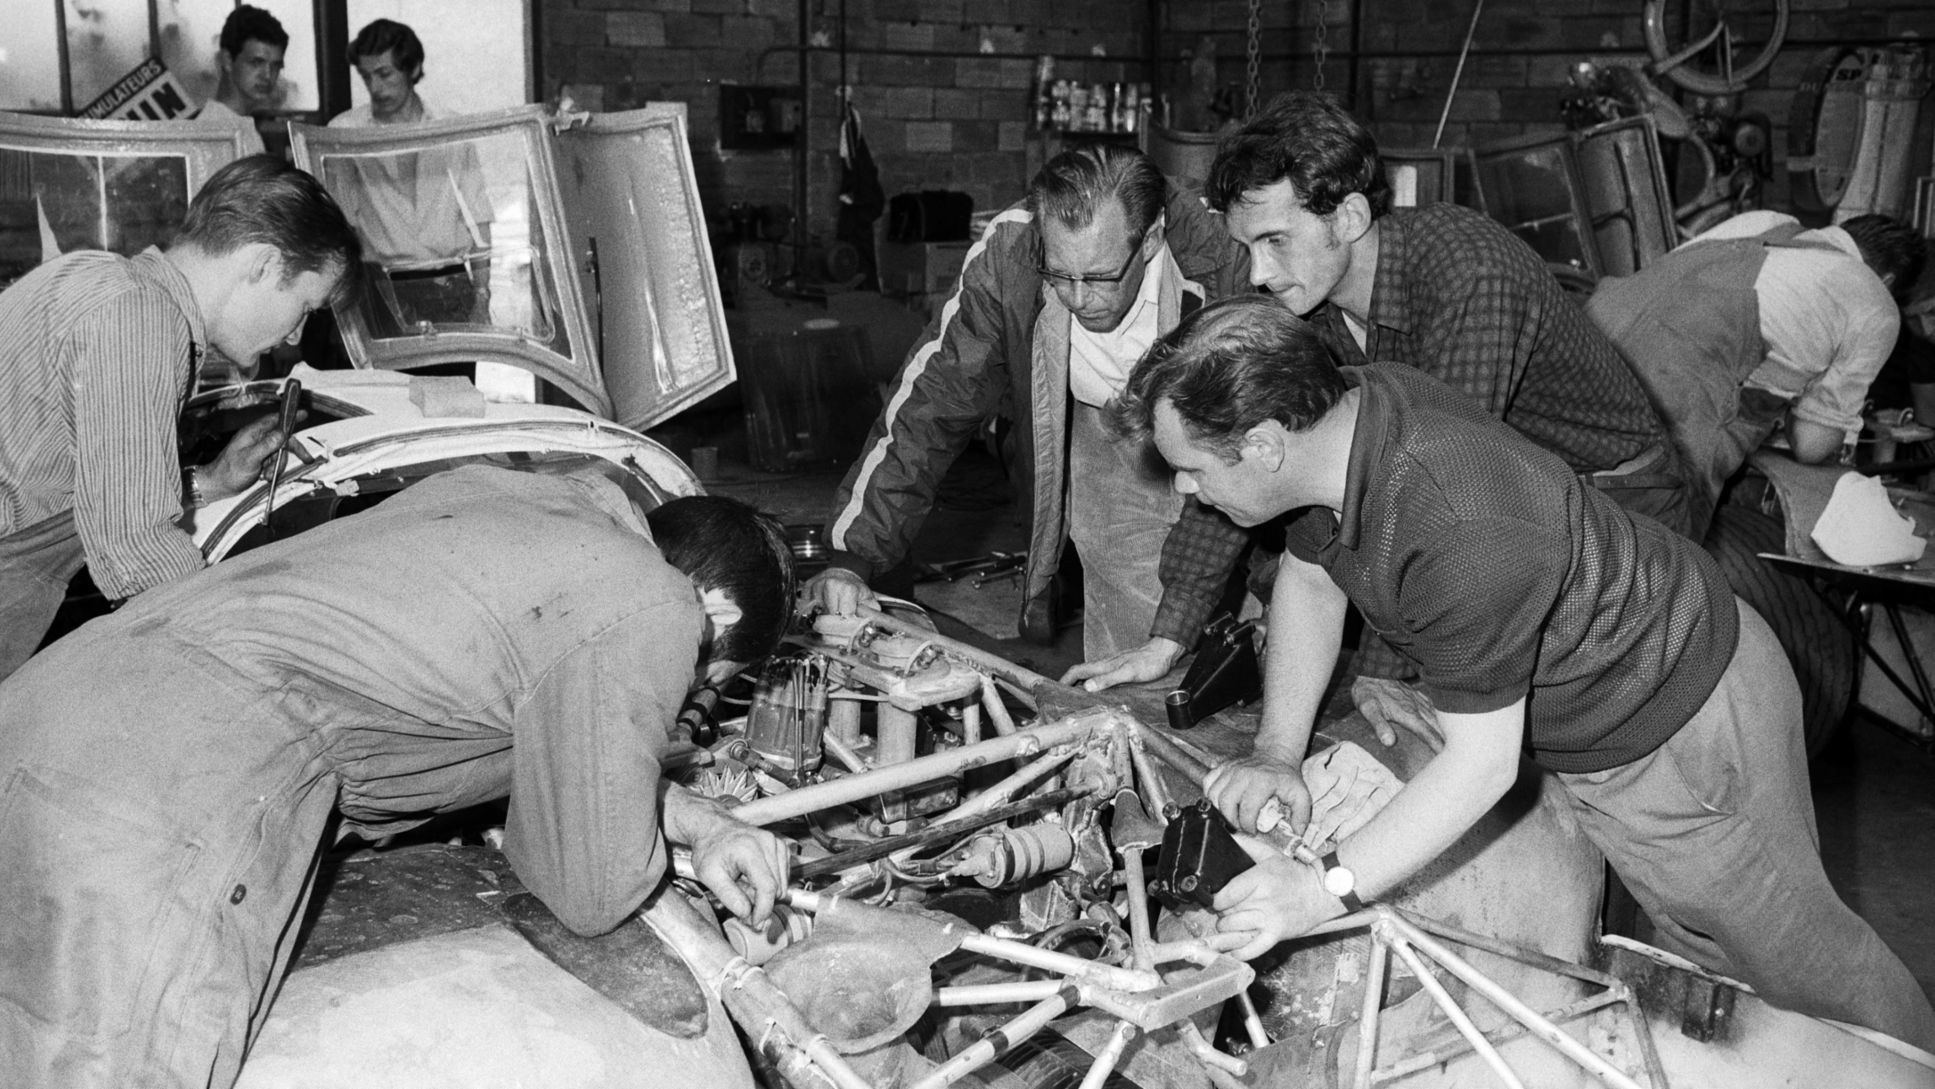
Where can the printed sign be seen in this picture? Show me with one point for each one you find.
(149, 93)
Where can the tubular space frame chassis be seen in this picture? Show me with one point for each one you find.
(1165, 983)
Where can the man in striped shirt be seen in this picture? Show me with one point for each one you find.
(99, 352)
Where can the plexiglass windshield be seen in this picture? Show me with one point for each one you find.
(56, 202)
(449, 240)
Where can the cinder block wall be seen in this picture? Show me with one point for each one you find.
(944, 85)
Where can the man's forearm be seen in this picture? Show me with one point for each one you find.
(1813, 443)
(1479, 763)
(1201, 550)
(1305, 631)
(687, 816)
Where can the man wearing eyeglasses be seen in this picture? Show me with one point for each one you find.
(1056, 302)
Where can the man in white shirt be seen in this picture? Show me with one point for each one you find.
(424, 216)
(1759, 323)
(249, 63)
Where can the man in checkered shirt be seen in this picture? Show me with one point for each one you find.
(1442, 288)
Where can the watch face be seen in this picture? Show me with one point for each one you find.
(1339, 881)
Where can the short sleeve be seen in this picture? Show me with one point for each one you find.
(1474, 608)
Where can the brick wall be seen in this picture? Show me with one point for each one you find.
(944, 85)
(1407, 52)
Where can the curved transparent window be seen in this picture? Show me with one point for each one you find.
(450, 240)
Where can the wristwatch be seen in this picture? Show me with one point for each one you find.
(1340, 882)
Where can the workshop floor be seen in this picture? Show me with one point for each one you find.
(1874, 792)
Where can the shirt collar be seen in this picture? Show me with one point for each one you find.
(1154, 272)
(151, 265)
(1391, 285)
(1366, 451)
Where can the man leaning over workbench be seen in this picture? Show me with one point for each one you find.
(166, 773)
(1542, 619)
(1055, 303)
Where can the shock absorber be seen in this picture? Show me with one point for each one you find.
(998, 857)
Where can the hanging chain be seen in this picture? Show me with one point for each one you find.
(1320, 43)
(1255, 48)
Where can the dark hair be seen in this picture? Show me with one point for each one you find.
(1072, 186)
(723, 544)
(389, 36)
(1226, 369)
(1889, 247)
(260, 198)
(248, 23)
(1308, 138)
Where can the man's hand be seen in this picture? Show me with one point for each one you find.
(1242, 789)
(1148, 662)
(1389, 704)
(242, 461)
(1273, 901)
(839, 591)
(744, 866)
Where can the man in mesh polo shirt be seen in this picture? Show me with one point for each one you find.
(1441, 288)
(1543, 620)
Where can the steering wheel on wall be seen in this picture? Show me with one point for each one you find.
(1706, 65)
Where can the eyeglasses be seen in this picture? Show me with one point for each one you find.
(1065, 279)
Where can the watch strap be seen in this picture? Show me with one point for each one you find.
(1352, 902)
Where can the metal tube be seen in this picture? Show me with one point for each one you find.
(1023, 778)
(1453, 1011)
(1252, 1023)
(1107, 975)
(1213, 1060)
(1148, 775)
(1173, 754)
(895, 742)
(1510, 1003)
(1355, 919)
(1436, 1056)
(995, 994)
(998, 794)
(843, 719)
(971, 722)
(998, 1041)
(1367, 1015)
(974, 656)
(1655, 1070)
(1004, 723)
(1501, 948)
(754, 1001)
(853, 788)
(838, 749)
(1141, 941)
(907, 843)
(1104, 1065)
(1194, 950)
